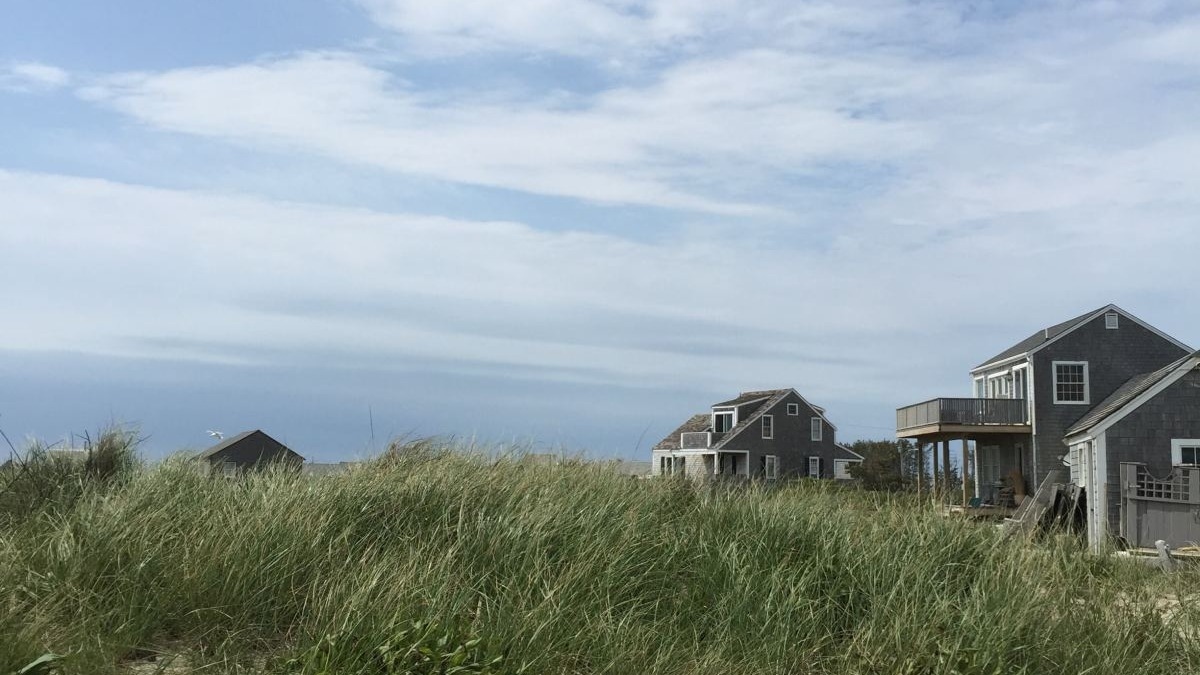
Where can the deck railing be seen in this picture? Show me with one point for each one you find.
(968, 411)
(699, 440)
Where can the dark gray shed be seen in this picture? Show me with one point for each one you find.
(247, 451)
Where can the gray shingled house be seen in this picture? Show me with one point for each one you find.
(1062, 381)
(760, 434)
(247, 451)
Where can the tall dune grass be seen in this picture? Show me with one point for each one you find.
(434, 560)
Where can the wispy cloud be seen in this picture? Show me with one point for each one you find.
(32, 77)
(176, 274)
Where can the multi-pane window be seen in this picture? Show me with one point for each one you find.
(722, 421)
(793, 409)
(815, 427)
(771, 467)
(814, 467)
(768, 426)
(1070, 382)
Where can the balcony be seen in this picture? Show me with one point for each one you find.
(698, 440)
(963, 415)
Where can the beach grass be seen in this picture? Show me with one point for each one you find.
(438, 558)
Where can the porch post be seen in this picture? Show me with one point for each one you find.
(920, 464)
(934, 484)
(946, 468)
(966, 498)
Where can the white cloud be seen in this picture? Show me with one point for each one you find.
(673, 143)
(638, 29)
(32, 76)
(933, 112)
(124, 270)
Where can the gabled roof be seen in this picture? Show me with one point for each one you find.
(700, 422)
(775, 396)
(234, 440)
(766, 399)
(1122, 400)
(224, 444)
(1047, 335)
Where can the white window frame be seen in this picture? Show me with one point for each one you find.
(816, 428)
(771, 466)
(1087, 389)
(768, 426)
(732, 414)
(814, 467)
(1177, 446)
(1112, 321)
(980, 384)
(793, 409)
(841, 468)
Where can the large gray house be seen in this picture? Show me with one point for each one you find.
(1066, 382)
(760, 434)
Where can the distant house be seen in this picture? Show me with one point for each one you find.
(247, 451)
(328, 468)
(1051, 408)
(759, 434)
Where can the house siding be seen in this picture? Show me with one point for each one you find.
(1145, 434)
(1113, 356)
(792, 442)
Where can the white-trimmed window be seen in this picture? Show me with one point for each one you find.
(771, 467)
(768, 426)
(793, 409)
(722, 421)
(841, 468)
(980, 387)
(1070, 382)
(815, 428)
(1112, 321)
(814, 467)
(1185, 451)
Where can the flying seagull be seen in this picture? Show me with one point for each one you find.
(215, 434)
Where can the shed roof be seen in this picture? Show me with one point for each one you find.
(748, 396)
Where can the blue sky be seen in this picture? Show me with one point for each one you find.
(570, 222)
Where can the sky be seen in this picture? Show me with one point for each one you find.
(570, 224)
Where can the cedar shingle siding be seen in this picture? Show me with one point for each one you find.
(1113, 356)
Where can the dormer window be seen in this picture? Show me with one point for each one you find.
(722, 421)
(1112, 320)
